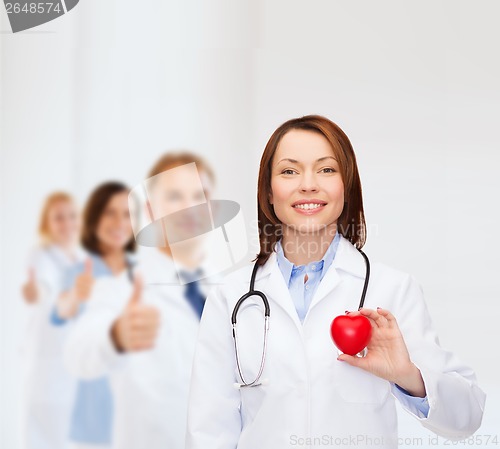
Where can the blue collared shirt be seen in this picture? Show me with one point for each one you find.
(303, 292)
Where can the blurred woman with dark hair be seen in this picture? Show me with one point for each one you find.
(107, 236)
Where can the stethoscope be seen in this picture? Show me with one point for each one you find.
(267, 313)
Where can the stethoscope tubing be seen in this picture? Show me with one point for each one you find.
(267, 313)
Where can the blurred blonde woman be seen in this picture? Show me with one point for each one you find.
(48, 389)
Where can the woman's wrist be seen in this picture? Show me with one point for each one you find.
(411, 380)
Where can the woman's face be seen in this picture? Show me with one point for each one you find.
(63, 223)
(307, 191)
(114, 230)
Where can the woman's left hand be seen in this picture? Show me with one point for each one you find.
(387, 355)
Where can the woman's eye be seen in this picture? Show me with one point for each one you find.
(328, 170)
(288, 171)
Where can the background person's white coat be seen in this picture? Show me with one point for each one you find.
(150, 388)
(48, 388)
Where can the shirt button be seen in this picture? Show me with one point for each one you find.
(307, 287)
(313, 267)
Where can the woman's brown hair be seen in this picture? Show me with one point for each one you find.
(351, 223)
(95, 207)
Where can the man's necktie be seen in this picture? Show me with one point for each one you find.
(193, 293)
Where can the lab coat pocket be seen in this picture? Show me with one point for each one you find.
(359, 386)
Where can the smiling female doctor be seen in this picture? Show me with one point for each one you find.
(311, 221)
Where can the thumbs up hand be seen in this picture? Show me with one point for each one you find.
(30, 288)
(68, 302)
(137, 327)
(84, 282)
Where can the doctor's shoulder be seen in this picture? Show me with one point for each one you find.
(37, 254)
(41, 266)
(39, 260)
(232, 285)
(393, 289)
(42, 258)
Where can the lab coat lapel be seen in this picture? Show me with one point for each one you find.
(329, 282)
(276, 290)
(347, 260)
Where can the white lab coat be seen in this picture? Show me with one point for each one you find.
(48, 389)
(311, 398)
(150, 388)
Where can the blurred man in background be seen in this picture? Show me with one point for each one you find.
(142, 331)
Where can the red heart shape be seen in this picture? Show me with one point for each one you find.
(351, 334)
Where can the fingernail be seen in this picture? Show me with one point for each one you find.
(339, 359)
(347, 312)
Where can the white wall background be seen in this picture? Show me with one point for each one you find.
(104, 90)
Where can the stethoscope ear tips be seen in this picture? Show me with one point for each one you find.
(264, 382)
(237, 386)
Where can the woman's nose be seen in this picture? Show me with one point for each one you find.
(308, 183)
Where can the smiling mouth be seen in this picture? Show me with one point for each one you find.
(308, 206)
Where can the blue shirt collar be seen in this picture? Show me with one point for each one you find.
(287, 267)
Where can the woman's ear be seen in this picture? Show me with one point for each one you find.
(270, 198)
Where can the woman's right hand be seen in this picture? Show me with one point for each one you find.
(30, 289)
(84, 283)
(68, 303)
